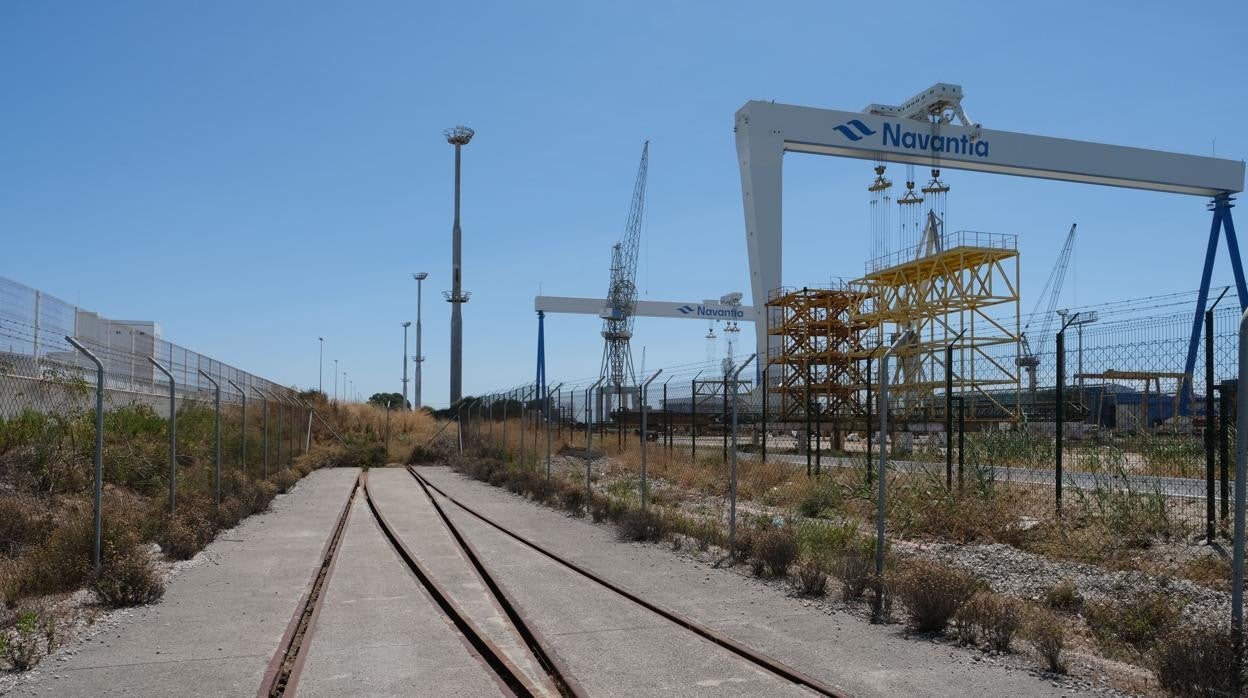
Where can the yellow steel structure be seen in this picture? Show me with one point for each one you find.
(817, 366)
(957, 283)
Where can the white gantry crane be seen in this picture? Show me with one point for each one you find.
(1030, 359)
(617, 316)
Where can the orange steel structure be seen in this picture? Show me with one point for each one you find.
(818, 364)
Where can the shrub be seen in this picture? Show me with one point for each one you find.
(1197, 662)
(23, 646)
(855, 567)
(741, 548)
(1064, 596)
(819, 498)
(775, 550)
(1044, 631)
(812, 576)
(638, 525)
(22, 523)
(422, 454)
(572, 498)
(989, 618)
(706, 533)
(1136, 622)
(128, 578)
(932, 593)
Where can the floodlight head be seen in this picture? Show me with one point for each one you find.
(420, 275)
(460, 135)
(407, 323)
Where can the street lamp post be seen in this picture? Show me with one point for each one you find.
(458, 137)
(420, 357)
(320, 367)
(406, 325)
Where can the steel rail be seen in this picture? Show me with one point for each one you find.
(553, 666)
(282, 673)
(763, 661)
(491, 655)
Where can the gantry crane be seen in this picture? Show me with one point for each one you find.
(617, 316)
(1029, 359)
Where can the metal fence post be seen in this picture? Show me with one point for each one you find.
(732, 472)
(962, 440)
(243, 439)
(868, 422)
(1224, 411)
(724, 415)
(693, 420)
(216, 454)
(547, 406)
(645, 389)
(1241, 473)
(949, 411)
(1059, 412)
(173, 435)
(763, 393)
(1210, 504)
(277, 437)
(265, 401)
(878, 606)
(307, 439)
(98, 486)
(506, 399)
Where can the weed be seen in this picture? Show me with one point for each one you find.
(128, 578)
(932, 593)
(1064, 596)
(1044, 631)
(812, 576)
(1197, 662)
(821, 498)
(638, 525)
(774, 550)
(1136, 622)
(989, 618)
(22, 648)
(572, 498)
(855, 568)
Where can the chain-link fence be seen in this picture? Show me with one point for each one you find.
(1123, 457)
(167, 435)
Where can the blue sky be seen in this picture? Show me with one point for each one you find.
(256, 175)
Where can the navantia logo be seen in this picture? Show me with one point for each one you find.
(899, 136)
(685, 309)
(859, 126)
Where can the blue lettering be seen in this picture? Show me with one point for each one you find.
(893, 132)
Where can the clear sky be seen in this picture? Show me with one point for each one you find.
(255, 175)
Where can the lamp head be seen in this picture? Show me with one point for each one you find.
(460, 135)
(420, 275)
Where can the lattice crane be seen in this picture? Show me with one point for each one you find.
(1030, 359)
(617, 316)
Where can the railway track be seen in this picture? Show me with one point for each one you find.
(287, 664)
(759, 660)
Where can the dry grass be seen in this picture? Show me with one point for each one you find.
(932, 593)
(1198, 662)
(1044, 631)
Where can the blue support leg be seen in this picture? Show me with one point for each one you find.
(1232, 246)
(1211, 251)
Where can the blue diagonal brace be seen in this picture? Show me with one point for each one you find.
(1221, 206)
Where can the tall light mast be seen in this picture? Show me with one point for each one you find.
(458, 137)
(617, 325)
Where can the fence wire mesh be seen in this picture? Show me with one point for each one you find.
(1129, 485)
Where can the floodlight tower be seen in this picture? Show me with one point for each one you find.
(458, 137)
(419, 358)
(406, 324)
